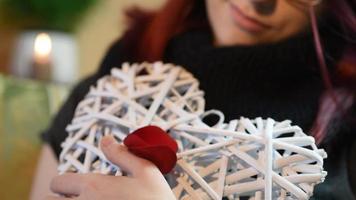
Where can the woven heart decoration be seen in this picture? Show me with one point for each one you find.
(240, 159)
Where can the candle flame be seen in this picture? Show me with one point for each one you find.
(43, 45)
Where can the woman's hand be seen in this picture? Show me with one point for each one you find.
(145, 180)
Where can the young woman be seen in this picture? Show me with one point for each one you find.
(284, 59)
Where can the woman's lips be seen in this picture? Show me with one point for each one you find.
(245, 22)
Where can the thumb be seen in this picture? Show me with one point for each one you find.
(120, 156)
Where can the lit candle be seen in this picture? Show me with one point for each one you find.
(42, 53)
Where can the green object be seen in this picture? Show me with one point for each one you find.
(26, 108)
(62, 15)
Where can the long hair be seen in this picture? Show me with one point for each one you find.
(149, 33)
(154, 29)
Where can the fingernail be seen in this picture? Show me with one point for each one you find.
(107, 141)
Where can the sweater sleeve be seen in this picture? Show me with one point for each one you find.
(55, 133)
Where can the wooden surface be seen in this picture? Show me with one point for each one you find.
(7, 39)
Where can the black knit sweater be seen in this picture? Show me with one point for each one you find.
(279, 80)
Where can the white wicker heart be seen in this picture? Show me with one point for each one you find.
(241, 159)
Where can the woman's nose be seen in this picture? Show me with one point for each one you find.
(264, 7)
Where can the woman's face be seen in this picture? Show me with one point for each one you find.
(250, 22)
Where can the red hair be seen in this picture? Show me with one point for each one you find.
(149, 33)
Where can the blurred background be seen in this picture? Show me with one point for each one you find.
(45, 48)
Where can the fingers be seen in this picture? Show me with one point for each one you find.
(56, 198)
(120, 156)
(68, 184)
(73, 186)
